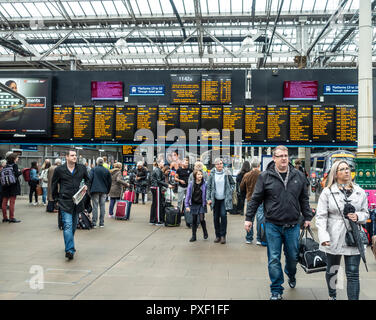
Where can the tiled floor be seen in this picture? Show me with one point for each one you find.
(135, 260)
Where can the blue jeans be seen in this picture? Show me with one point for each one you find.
(99, 199)
(260, 219)
(220, 218)
(70, 221)
(352, 275)
(289, 237)
(44, 196)
(112, 205)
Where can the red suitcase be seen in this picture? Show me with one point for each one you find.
(123, 210)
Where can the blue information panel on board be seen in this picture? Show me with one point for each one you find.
(340, 89)
(147, 90)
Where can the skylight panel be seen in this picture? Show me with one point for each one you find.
(110, 8)
(53, 9)
(33, 10)
(21, 10)
(213, 6)
(76, 9)
(121, 8)
(225, 6)
(166, 7)
(88, 8)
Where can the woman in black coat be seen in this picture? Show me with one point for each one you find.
(241, 195)
(10, 192)
(141, 182)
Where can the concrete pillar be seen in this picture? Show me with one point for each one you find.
(301, 153)
(269, 151)
(259, 153)
(365, 96)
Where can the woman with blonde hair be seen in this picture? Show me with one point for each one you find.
(339, 202)
(116, 186)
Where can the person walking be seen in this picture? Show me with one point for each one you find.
(141, 182)
(283, 190)
(33, 183)
(195, 202)
(248, 185)
(157, 181)
(66, 182)
(331, 223)
(246, 167)
(51, 204)
(11, 191)
(117, 185)
(219, 191)
(198, 166)
(100, 185)
(181, 177)
(43, 177)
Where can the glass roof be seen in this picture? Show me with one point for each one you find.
(179, 34)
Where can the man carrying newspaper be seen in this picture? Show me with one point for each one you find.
(68, 191)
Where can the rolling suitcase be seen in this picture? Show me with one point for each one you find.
(172, 214)
(123, 210)
(129, 195)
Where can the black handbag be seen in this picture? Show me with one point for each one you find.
(310, 258)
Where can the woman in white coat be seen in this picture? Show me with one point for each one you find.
(332, 230)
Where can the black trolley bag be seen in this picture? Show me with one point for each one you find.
(172, 215)
(310, 258)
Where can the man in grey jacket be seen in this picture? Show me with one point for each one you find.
(219, 196)
(100, 185)
(283, 190)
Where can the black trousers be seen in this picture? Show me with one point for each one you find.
(33, 189)
(157, 207)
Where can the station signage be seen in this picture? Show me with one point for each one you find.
(147, 90)
(340, 89)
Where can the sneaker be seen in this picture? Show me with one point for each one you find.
(223, 240)
(35, 204)
(248, 241)
(332, 298)
(101, 226)
(14, 220)
(276, 296)
(292, 283)
(94, 226)
(69, 255)
(159, 224)
(217, 239)
(6, 220)
(258, 243)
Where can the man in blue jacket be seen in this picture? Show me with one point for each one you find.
(100, 185)
(284, 192)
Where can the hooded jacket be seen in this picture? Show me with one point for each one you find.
(117, 183)
(229, 188)
(282, 205)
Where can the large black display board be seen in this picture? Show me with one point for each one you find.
(300, 123)
(147, 117)
(62, 122)
(323, 123)
(168, 116)
(255, 123)
(189, 119)
(185, 88)
(346, 119)
(104, 123)
(211, 118)
(277, 123)
(125, 122)
(216, 88)
(83, 122)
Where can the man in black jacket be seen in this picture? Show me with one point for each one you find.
(157, 181)
(100, 185)
(66, 181)
(283, 190)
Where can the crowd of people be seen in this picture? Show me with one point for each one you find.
(277, 198)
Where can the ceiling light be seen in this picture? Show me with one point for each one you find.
(121, 43)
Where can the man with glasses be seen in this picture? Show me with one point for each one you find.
(283, 190)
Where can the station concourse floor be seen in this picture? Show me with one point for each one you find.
(135, 260)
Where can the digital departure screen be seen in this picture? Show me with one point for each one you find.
(255, 123)
(346, 120)
(125, 122)
(189, 119)
(233, 118)
(278, 117)
(300, 123)
(83, 122)
(107, 90)
(211, 118)
(147, 117)
(185, 88)
(104, 123)
(169, 115)
(62, 122)
(323, 123)
(216, 88)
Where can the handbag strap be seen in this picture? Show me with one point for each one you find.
(341, 213)
(304, 231)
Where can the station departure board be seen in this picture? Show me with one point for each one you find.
(170, 116)
(185, 88)
(211, 118)
(233, 118)
(216, 88)
(277, 123)
(104, 123)
(62, 122)
(125, 122)
(83, 122)
(147, 117)
(323, 123)
(189, 119)
(346, 119)
(255, 123)
(300, 123)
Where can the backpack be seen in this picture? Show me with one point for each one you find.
(26, 174)
(7, 177)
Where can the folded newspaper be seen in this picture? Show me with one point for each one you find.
(77, 198)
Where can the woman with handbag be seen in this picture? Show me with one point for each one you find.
(340, 202)
(141, 182)
(116, 186)
(195, 202)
